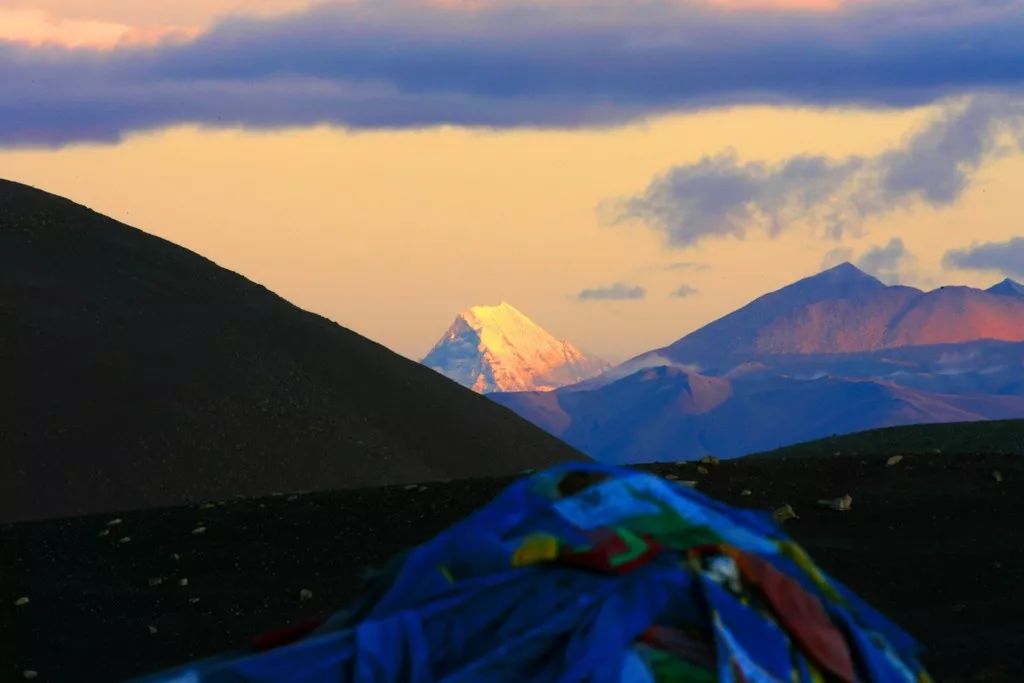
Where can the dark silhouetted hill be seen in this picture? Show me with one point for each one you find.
(137, 373)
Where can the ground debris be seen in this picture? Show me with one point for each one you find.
(22, 601)
(709, 460)
(893, 460)
(841, 504)
(784, 513)
(305, 594)
(998, 476)
(746, 492)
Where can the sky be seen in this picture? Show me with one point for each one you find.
(622, 172)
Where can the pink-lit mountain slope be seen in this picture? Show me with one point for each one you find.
(844, 310)
(497, 348)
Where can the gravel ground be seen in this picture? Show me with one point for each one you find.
(935, 541)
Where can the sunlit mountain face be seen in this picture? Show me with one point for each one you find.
(498, 348)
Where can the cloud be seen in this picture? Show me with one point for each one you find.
(836, 256)
(615, 292)
(1003, 257)
(721, 196)
(389, 63)
(885, 262)
(36, 28)
(687, 265)
(684, 291)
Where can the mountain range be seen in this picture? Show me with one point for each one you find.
(498, 348)
(830, 354)
(138, 373)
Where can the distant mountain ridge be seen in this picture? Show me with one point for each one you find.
(498, 348)
(844, 310)
(668, 413)
(830, 354)
(139, 374)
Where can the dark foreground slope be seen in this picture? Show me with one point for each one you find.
(137, 373)
(995, 436)
(934, 541)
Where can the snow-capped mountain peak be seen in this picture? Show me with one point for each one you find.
(498, 348)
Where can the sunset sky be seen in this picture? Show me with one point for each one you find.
(622, 172)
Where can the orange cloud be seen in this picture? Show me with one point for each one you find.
(37, 28)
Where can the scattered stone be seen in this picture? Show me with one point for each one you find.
(125, 539)
(528, 471)
(672, 477)
(29, 674)
(305, 594)
(292, 498)
(838, 504)
(193, 601)
(998, 476)
(115, 521)
(155, 581)
(207, 506)
(22, 601)
(183, 582)
(709, 460)
(199, 530)
(894, 460)
(105, 532)
(703, 470)
(784, 513)
(175, 556)
(410, 487)
(689, 482)
(746, 492)
(421, 489)
(152, 629)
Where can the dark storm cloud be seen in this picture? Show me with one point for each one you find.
(388, 64)
(1004, 257)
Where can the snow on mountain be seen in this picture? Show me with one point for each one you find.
(497, 348)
